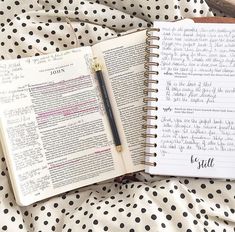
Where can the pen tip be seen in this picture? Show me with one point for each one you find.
(119, 148)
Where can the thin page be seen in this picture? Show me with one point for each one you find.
(196, 108)
(54, 131)
(123, 66)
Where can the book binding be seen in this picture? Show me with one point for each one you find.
(150, 92)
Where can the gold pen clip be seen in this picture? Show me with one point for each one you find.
(96, 66)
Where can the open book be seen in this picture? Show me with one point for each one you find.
(54, 129)
(191, 100)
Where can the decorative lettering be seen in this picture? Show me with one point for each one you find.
(202, 163)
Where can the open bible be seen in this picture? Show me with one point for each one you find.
(54, 129)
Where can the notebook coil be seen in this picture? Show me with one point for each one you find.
(146, 117)
(154, 154)
(154, 164)
(146, 126)
(150, 121)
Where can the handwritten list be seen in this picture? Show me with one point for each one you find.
(196, 101)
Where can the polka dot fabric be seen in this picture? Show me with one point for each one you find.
(31, 28)
(144, 202)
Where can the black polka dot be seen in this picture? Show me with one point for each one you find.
(95, 222)
(154, 193)
(185, 214)
(179, 224)
(147, 228)
(203, 186)
(210, 196)
(168, 217)
(143, 210)
(165, 199)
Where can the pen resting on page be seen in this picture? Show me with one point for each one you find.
(98, 70)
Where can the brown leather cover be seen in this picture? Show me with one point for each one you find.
(226, 6)
(214, 20)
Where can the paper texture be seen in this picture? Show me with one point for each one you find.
(55, 131)
(196, 108)
(55, 135)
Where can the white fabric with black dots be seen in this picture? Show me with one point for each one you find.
(151, 203)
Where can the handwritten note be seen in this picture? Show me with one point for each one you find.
(189, 133)
(205, 92)
(10, 72)
(197, 51)
(196, 106)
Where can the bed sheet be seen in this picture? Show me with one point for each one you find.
(144, 202)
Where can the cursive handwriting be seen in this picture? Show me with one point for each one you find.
(199, 91)
(205, 134)
(202, 163)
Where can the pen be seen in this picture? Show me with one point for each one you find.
(98, 70)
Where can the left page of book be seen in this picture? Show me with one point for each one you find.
(53, 132)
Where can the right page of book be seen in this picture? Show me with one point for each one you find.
(193, 133)
(122, 59)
